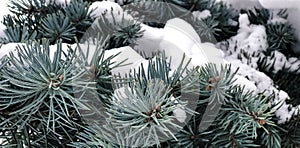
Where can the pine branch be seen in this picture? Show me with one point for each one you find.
(56, 27)
(291, 137)
(48, 20)
(122, 32)
(39, 92)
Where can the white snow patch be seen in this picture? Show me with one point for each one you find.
(131, 57)
(180, 115)
(179, 112)
(242, 81)
(4, 10)
(180, 38)
(239, 4)
(120, 92)
(149, 43)
(110, 10)
(2, 29)
(279, 4)
(9, 48)
(59, 2)
(201, 14)
(250, 42)
(284, 111)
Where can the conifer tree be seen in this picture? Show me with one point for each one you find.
(54, 92)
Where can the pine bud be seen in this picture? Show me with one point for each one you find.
(61, 77)
(262, 121)
(192, 137)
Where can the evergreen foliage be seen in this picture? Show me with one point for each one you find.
(61, 99)
(122, 32)
(38, 19)
(220, 23)
(281, 36)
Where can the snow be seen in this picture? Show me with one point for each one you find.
(277, 20)
(133, 59)
(238, 4)
(111, 10)
(4, 10)
(279, 4)
(201, 14)
(207, 53)
(2, 33)
(127, 55)
(242, 81)
(179, 112)
(180, 38)
(281, 61)
(252, 41)
(249, 44)
(176, 39)
(5, 49)
(150, 41)
(294, 64)
(53, 49)
(253, 80)
(104, 6)
(181, 34)
(295, 21)
(283, 110)
(180, 115)
(59, 2)
(138, 65)
(120, 92)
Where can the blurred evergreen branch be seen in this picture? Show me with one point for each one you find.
(33, 19)
(122, 32)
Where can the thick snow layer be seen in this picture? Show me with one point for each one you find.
(259, 82)
(181, 38)
(242, 81)
(293, 11)
(181, 34)
(249, 44)
(131, 57)
(250, 39)
(150, 41)
(175, 39)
